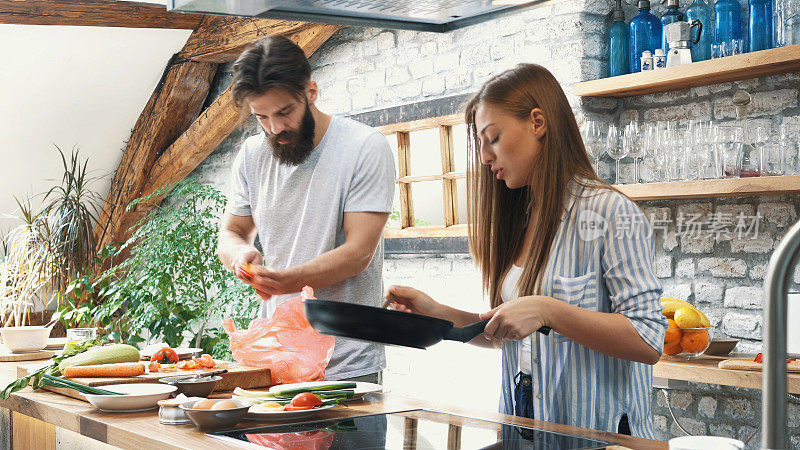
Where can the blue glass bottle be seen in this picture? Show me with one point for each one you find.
(618, 44)
(645, 34)
(699, 10)
(671, 15)
(760, 25)
(727, 21)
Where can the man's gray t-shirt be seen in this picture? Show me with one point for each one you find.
(298, 212)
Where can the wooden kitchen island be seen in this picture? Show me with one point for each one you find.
(36, 414)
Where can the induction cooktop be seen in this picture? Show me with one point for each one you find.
(416, 429)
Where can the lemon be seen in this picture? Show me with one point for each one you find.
(704, 322)
(687, 317)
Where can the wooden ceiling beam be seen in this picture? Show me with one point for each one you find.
(221, 39)
(95, 13)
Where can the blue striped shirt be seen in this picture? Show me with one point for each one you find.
(601, 259)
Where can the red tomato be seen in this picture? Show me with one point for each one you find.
(206, 361)
(165, 355)
(155, 366)
(791, 360)
(296, 408)
(306, 399)
(246, 270)
(759, 358)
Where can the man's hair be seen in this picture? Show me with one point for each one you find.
(273, 62)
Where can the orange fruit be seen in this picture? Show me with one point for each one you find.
(694, 341)
(673, 333)
(672, 348)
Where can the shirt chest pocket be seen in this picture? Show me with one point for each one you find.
(578, 291)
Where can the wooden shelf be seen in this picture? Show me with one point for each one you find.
(713, 71)
(729, 187)
(705, 370)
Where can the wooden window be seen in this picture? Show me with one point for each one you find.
(420, 178)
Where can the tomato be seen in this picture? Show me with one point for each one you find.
(155, 366)
(306, 399)
(205, 361)
(791, 360)
(188, 365)
(165, 355)
(296, 408)
(759, 358)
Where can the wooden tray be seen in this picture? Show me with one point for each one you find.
(749, 364)
(238, 375)
(7, 356)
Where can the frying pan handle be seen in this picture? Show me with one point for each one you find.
(469, 332)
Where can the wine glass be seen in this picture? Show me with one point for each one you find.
(632, 139)
(613, 147)
(594, 140)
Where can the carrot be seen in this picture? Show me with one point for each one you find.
(105, 370)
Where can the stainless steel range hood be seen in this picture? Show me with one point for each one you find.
(419, 15)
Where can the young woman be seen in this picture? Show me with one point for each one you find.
(557, 247)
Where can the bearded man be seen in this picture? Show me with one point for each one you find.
(316, 190)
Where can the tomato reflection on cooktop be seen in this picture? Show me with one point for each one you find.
(417, 429)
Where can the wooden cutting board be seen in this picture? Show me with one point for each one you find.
(238, 375)
(7, 356)
(749, 364)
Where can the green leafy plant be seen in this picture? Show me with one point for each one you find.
(27, 267)
(71, 213)
(172, 285)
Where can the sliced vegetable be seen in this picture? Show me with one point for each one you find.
(253, 394)
(296, 408)
(105, 370)
(247, 271)
(306, 399)
(292, 391)
(165, 355)
(155, 367)
(188, 365)
(759, 358)
(114, 353)
(205, 361)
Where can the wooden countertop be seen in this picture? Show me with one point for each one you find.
(704, 370)
(142, 430)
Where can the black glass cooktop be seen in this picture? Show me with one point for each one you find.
(416, 429)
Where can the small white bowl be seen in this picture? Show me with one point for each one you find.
(705, 443)
(139, 397)
(25, 339)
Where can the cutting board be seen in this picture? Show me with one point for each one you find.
(7, 356)
(238, 375)
(749, 364)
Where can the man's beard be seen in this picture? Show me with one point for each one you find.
(300, 143)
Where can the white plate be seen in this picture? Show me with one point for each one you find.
(361, 389)
(284, 415)
(140, 397)
(183, 352)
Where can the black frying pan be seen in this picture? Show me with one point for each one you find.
(369, 323)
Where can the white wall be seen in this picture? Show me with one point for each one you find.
(68, 86)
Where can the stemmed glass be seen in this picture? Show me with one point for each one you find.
(650, 144)
(594, 140)
(613, 147)
(632, 140)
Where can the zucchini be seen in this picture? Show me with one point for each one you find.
(114, 353)
(280, 391)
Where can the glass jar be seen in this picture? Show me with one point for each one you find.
(789, 141)
(786, 23)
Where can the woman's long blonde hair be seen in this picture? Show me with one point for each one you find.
(498, 216)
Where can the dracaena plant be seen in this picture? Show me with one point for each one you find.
(171, 285)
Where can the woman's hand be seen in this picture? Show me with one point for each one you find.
(408, 299)
(519, 318)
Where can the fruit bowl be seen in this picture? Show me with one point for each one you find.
(693, 342)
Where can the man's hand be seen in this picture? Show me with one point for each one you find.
(244, 258)
(268, 282)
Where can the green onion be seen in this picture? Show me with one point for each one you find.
(64, 383)
(291, 392)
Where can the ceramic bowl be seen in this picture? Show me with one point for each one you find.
(25, 339)
(211, 419)
(721, 347)
(138, 397)
(200, 387)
